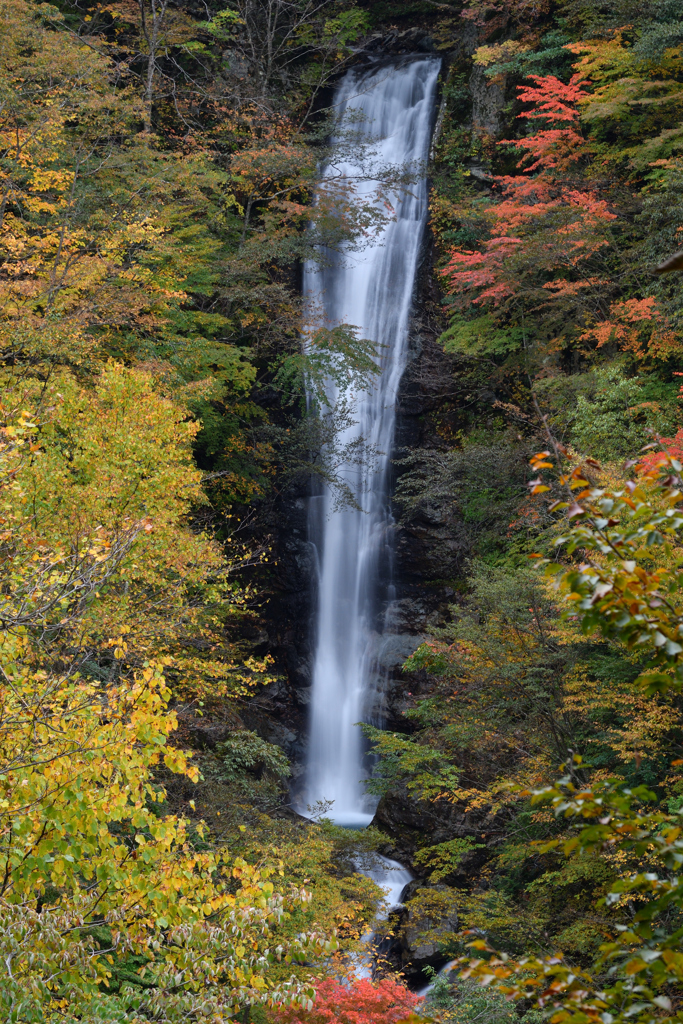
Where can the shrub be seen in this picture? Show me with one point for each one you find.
(354, 1001)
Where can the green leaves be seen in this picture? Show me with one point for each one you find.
(426, 772)
(333, 357)
(445, 858)
(630, 583)
(627, 586)
(641, 960)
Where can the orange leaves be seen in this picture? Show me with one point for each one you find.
(637, 326)
(357, 1001)
(538, 462)
(482, 270)
(552, 147)
(566, 289)
(537, 223)
(552, 98)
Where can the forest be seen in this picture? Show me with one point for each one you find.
(170, 401)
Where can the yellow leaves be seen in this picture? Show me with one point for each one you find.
(45, 179)
(177, 762)
(601, 59)
(230, 201)
(109, 267)
(126, 473)
(498, 53)
(143, 232)
(635, 966)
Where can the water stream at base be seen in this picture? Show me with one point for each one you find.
(392, 877)
(391, 110)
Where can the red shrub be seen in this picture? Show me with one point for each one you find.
(358, 1001)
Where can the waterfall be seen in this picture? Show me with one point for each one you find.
(391, 109)
(392, 877)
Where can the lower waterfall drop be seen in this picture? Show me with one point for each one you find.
(391, 109)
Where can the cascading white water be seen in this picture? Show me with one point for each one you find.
(391, 109)
(392, 877)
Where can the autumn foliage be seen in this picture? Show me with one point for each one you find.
(354, 1001)
(540, 221)
(627, 587)
(578, 207)
(130, 323)
(157, 183)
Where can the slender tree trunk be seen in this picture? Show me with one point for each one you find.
(151, 27)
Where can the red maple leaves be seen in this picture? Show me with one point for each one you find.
(358, 1001)
(673, 448)
(540, 222)
(554, 147)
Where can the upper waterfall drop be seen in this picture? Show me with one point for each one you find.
(390, 109)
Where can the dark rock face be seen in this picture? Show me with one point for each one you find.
(412, 824)
(488, 102)
(488, 97)
(397, 42)
(207, 735)
(278, 712)
(291, 606)
(421, 934)
(420, 928)
(416, 936)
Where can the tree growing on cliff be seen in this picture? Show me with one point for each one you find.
(547, 230)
